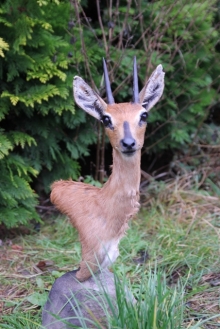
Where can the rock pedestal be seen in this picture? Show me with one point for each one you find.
(71, 302)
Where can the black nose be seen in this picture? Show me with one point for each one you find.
(128, 143)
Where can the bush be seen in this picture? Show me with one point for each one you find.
(41, 135)
(44, 44)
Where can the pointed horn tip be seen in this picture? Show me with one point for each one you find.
(109, 94)
(135, 62)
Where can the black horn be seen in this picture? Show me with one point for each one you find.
(109, 95)
(135, 83)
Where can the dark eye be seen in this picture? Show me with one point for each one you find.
(107, 121)
(143, 117)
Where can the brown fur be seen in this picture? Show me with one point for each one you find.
(101, 214)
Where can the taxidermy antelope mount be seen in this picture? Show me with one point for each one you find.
(101, 215)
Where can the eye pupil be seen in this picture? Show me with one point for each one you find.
(106, 121)
(144, 116)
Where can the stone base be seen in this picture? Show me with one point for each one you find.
(73, 302)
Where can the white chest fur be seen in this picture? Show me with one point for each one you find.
(110, 252)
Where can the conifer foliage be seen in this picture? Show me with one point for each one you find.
(38, 120)
(44, 43)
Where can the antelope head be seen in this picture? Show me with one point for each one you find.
(125, 123)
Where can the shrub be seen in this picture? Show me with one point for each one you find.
(44, 44)
(41, 133)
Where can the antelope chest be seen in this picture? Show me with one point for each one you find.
(110, 252)
(120, 210)
(128, 206)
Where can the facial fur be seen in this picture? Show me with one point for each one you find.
(127, 123)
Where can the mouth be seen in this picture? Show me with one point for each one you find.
(129, 152)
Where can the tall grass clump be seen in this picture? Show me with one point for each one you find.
(151, 305)
(156, 305)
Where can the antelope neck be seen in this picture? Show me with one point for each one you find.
(125, 175)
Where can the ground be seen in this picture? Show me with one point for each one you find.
(176, 234)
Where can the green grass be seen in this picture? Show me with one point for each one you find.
(176, 285)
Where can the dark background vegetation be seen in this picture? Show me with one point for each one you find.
(44, 136)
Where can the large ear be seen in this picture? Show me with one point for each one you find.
(88, 99)
(153, 89)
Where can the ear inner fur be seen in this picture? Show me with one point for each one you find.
(88, 99)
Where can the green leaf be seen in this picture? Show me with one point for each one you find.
(37, 298)
(40, 283)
